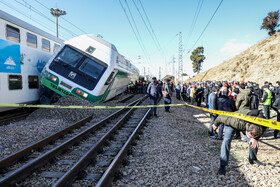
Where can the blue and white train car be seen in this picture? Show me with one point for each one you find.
(24, 51)
(90, 68)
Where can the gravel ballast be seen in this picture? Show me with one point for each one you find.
(44, 122)
(175, 150)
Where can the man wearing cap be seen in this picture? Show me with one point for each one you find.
(154, 92)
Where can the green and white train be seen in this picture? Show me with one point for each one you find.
(87, 67)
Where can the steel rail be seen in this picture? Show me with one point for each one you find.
(17, 115)
(7, 161)
(26, 169)
(73, 172)
(127, 98)
(108, 176)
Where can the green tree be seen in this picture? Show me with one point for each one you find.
(270, 22)
(197, 57)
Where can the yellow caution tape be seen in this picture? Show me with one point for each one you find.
(83, 107)
(252, 119)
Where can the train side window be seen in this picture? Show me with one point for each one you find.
(31, 40)
(55, 47)
(33, 82)
(13, 33)
(15, 82)
(46, 45)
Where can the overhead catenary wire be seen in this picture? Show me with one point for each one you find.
(29, 17)
(135, 26)
(145, 23)
(133, 29)
(206, 26)
(63, 18)
(149, 23)
(152, 33)
(31, 8)
(197, 12)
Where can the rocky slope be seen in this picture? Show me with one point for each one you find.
(258, 63)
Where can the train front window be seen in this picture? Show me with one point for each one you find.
(69, 57)
(92, 68)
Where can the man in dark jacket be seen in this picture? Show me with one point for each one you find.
(166, 92)
(154, 92)
(225, 103)
(257, 91)
(206, 94)
(252, 131)
(198, 95)
(276, 107)
(277, 89)
(212, 102)
(255, 101)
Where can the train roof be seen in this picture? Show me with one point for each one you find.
(28, 26)
(104, 42)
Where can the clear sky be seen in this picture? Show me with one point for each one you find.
(235, 27)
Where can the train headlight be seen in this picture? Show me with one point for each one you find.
(51, 77)
(79, 92)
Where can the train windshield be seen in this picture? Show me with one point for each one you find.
(91, 68)
(69, 57)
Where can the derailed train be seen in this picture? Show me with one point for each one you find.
(87, 67)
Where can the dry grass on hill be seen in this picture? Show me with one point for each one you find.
(259, 63)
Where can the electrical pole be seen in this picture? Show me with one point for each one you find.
(173, 66)
(180, 58)
(56, 13)
(159, 73)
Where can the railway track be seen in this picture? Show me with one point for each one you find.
(82, 154)
(14, 115)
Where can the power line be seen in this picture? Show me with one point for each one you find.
(149, 23)
(131, 25)
(145, 23)
(153, 35)
(29, 6)
(198, 8)
(206, 26)
(140, 44)
(140, 38)
(62, 18)
(29, 17)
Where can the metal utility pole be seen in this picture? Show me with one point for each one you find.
(173, 66)
(159, 73)
(56, 13)
(180, 58)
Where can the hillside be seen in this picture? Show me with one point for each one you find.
(258, 63)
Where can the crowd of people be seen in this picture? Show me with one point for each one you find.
(240, 97)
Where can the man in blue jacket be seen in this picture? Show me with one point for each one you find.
(213, 105)
(155, 93)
